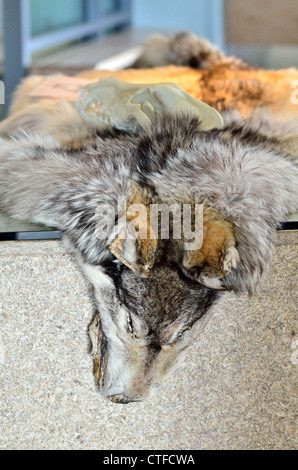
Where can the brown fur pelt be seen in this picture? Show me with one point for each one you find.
(225, 85)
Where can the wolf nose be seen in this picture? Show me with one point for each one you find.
(123, 399)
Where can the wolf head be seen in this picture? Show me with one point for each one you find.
(144, 327)
(151, 296)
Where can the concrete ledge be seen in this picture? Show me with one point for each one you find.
(237, 389)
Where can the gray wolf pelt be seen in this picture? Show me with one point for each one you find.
(57, 172)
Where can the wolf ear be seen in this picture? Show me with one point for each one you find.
(136, 244)
(218, 254)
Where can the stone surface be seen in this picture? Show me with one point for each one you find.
(236, 390)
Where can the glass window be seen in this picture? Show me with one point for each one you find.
(109, 6)
(51, 15)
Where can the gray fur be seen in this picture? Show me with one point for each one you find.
(236, 171)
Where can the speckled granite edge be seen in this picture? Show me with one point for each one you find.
(237, 388)
(287, 237)
(32, 248)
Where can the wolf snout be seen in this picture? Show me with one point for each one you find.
(124, 399)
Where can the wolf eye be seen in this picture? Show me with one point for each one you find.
(168, 346)
(180, 336)
(130, 327)
(129, 323)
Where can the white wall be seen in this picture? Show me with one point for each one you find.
(203, 17)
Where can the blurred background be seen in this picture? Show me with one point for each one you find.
(46, 36)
